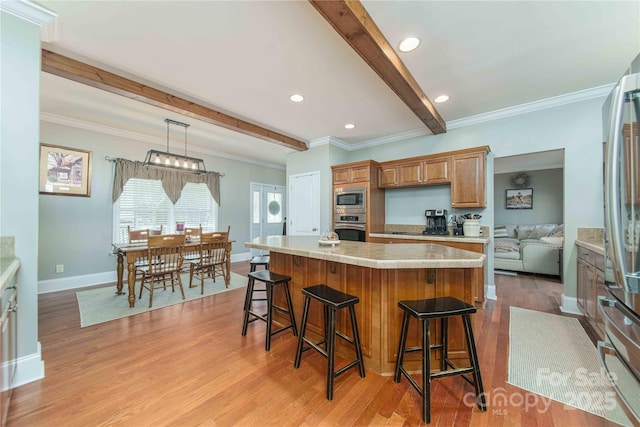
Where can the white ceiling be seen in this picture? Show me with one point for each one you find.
(245, 58)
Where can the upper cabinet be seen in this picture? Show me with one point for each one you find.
(468, 183)
(463, 169)
(352, 172)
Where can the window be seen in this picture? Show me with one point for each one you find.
(144, 204)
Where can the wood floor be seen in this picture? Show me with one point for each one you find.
(188, 365)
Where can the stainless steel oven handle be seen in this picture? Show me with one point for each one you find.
(604, 303)
(347, 226)
(607, 349)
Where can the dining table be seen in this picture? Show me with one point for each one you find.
(136, 251)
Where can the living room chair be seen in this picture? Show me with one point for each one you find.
(213, 255)
(166, 251)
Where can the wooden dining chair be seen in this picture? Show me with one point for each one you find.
(140, 236)
(166, 252)
(213, 254)
(191, 235)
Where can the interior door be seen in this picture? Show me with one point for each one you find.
(267, 211)
(304, 205)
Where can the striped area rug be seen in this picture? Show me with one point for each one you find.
(552, 356)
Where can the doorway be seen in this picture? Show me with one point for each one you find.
(268, 214)
(304, 204)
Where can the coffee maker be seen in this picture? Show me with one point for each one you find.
(436, 222)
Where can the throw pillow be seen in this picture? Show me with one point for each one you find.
(524, 231)
(559, 232)
(500, 232)
(542, 230)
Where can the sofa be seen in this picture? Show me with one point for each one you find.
(530, 248)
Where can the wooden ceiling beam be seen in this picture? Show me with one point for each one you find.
(80, 72)
(350, 19)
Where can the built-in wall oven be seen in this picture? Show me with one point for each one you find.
(350, 227)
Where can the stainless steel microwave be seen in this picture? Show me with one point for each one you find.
(350, 200)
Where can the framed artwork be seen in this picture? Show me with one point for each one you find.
(65, 171)
(519, 198)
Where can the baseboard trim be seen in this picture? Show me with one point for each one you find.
(491, 292)
(570, 305)
(82, 281)
(30, 368)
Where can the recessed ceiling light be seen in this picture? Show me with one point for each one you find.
(349, 126)
(409, 44)
(441, 98)
(296, 97)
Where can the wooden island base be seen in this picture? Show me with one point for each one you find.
(378, 314)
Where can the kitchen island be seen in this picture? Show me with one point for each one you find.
(380, 275)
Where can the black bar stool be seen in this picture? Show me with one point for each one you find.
(332, 300)
(270, 280)
(438, 308)
(259, 260)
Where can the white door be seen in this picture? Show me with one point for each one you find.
(304, 205)
(267, 211)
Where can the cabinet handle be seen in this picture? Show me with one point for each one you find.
(431, 276)
(296, 261)
(332, 267)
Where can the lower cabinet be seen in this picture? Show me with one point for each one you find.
(590, 285)
(479, 273)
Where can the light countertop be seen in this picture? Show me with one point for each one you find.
(595, 246)
(373, 255)
(420, 236)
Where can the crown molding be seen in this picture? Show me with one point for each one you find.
(543, 104)
(107, 130)
(331, 140)
(28, 11)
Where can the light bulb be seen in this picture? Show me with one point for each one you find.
(166, 161)
(157, 160)
(193, 166)
(177, 163)
(185, 165)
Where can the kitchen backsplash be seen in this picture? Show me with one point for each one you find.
(413, 228)
(591, 234)
(7, 246)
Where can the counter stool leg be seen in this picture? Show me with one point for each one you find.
(303, 328)
(247, 306)
(444, 359)
(356, 339)
(403, 342)
(426, 372)
(473, 356)
(292, 318)
(331, 350)
(267, 345)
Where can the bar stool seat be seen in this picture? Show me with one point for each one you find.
(259, 260)
(270, 280)
(438, 308)
(332, 301)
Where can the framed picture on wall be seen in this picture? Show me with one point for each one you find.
(519, 198)
(65, 171)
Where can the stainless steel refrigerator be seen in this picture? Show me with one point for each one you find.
(620, 308)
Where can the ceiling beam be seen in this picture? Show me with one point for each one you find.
(350, 19)
(80, 72)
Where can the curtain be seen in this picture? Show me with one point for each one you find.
(172, 181)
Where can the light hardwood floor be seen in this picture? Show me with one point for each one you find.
(188, 365)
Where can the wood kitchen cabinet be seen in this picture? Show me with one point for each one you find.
(352, 173)
(415, 172)
(468, 180)
(590, 285)
(478, 294)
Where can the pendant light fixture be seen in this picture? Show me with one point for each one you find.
(162, 159)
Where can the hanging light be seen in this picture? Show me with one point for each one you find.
(162, 159)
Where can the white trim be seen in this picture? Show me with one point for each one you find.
(75, 282)
(529, 107)
(570, 305)
(28, 11)
(30, 368)
(491, 292)
(94, 127)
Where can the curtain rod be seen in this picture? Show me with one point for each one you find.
(113, 159)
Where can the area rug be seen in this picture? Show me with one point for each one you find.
(552, 356)
(102, 304)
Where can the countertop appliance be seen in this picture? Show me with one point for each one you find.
(620, 307)
(436, 222)
(350, 200)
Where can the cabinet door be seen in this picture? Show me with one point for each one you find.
(341, 176)
(468, 181)
(388, 176)
(410, 173)
(600, 291)
(360, 174)
(590, 292)
(436, 171)
(580, 284)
